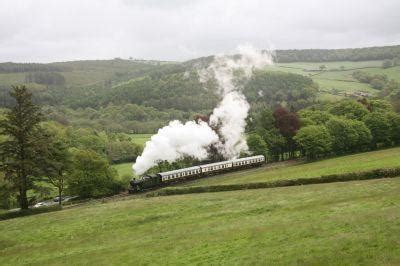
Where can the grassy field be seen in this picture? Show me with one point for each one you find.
(124, 169)
(140, 138)
(337, 224)
(338, 75)
(351, 163)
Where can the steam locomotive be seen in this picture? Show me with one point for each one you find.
(165, 178)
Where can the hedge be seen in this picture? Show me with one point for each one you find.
(21, 213)
(374, 174)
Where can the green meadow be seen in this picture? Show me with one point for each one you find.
(140, 139)
(123, 169)
(335, 224)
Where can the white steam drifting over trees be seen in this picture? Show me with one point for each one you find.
(177, 140)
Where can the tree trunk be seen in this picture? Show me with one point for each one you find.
(59, 197)
(23, 198)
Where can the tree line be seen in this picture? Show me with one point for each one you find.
(327, 129)
(326, 55)
(30, 67)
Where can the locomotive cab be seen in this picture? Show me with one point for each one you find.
(135, 185)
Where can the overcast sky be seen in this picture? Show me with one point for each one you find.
(59, 30)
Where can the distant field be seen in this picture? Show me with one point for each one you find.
(338, 75)
(392, 73)
(124, 169)
(140, 138)
(352, 223)
(351, 163)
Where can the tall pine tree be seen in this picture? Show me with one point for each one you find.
(21, 150)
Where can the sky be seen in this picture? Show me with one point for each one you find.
(177, 30)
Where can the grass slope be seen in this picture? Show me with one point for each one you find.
(341, 223)
(350, 163)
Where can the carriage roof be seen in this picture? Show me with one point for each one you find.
(180, 170)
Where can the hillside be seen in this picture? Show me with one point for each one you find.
(100, 93)
(297, 225)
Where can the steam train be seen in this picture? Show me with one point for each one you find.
(165, 178)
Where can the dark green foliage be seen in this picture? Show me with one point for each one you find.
(350, 109)
(128, 118)
(387, 63)
(374, 174)
(377, 82)
(7, 199)
(30, 67)
(348, 135)
(326, 55)
(21, 152)
(278, 88)
(314, 141)
(47, 78)
(394, 121)
(313, 117)
(91, 175)
(380, 106)
(276, 143)
(180, 91)
(257, 145)
(57, 164)
(122, 151)
(379, 126)
(260, 120)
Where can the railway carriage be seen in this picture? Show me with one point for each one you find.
(184, 173)
(213, 168)
(164, 178)
(248, 161)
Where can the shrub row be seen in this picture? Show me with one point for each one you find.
(373, 174)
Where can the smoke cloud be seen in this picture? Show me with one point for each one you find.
(177, 140)
(231, 113)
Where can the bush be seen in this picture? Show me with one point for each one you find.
(92, 176)
(314, 141)
(387, 63)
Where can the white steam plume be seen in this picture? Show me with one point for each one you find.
(177, 140)
(231, 113)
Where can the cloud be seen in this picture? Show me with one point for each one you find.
(46, 30)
